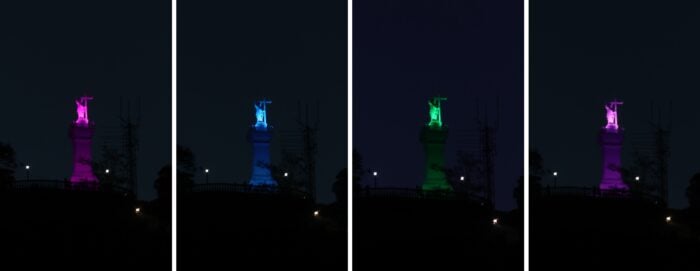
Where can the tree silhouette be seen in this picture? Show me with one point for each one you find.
(163, 186)
(340, 187)
(693, 192)
(537, 170)
(358, 170)
(7, 165)
(186, 168)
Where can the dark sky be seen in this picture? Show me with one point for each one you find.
(232, 53)
(585, 53)
(407, 51)
(53, 51)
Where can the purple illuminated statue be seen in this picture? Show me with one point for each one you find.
(610, 139)
(81, 132)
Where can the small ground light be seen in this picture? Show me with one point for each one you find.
(316, 213)
(26, 167)
(494, 221)
(668, 219)
(374, 173)
(286, 174)
(206, 170)
(137, 210)
(555, 173)
(636, 178)
(461, 178)
(107, 171)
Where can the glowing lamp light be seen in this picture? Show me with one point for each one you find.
(106, 171)
(494, 221)
(316, 213)
(375, 174)
(206, 170)
(555, 174)
(26, 167)
(137, 210)
(286, 174)
(636, 178)
(668, 219)
(461, 178)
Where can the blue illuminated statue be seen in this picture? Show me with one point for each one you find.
(261, 114)
(260, 136)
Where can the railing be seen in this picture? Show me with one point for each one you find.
(246, 188)
(36, 185)
(398, 192)
(598, 193)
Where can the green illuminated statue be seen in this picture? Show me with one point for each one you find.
(433, 136)
(435, 112)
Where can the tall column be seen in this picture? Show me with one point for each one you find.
(81, 132)
(260, 136)
(433, 136)
(610, 140)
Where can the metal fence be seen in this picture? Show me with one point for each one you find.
(395, 192)
(598, 193)
(247, 188)
(40, 185)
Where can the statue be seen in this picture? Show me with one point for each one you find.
(261, 113)
(611, 115)
(82, 109)
(435, 111)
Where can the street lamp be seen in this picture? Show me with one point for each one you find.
(668, 219)
(206, 175)
(555, 178)
(316, 213)
(286, 174)
(494, 221)
(106, 171)
(375, 178)
(27, 169)
(461, 178)
(636, 178)
(137, 210)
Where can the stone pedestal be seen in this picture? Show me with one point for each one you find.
(81, 137)
(611, 148)
(260, 139)
(433, 139)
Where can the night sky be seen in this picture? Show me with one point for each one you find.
(585, 53)
(51, 52)
(232, 53)
(408, 51)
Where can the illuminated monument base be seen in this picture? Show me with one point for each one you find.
(81, 136)
(433, 139)
(611, 147)
(261, 158)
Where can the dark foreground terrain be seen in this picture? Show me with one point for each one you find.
(250, 231)
(601, 233)
(61, 229)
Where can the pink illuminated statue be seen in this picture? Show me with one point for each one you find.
(81, 132)
(82, 108)
(611, 114)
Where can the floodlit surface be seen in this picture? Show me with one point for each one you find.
(82, 109)
(81, 136)
(260, 137)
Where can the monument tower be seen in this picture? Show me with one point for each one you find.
(81, 132)
(610, 139)
(433, 136)
(260, 136)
